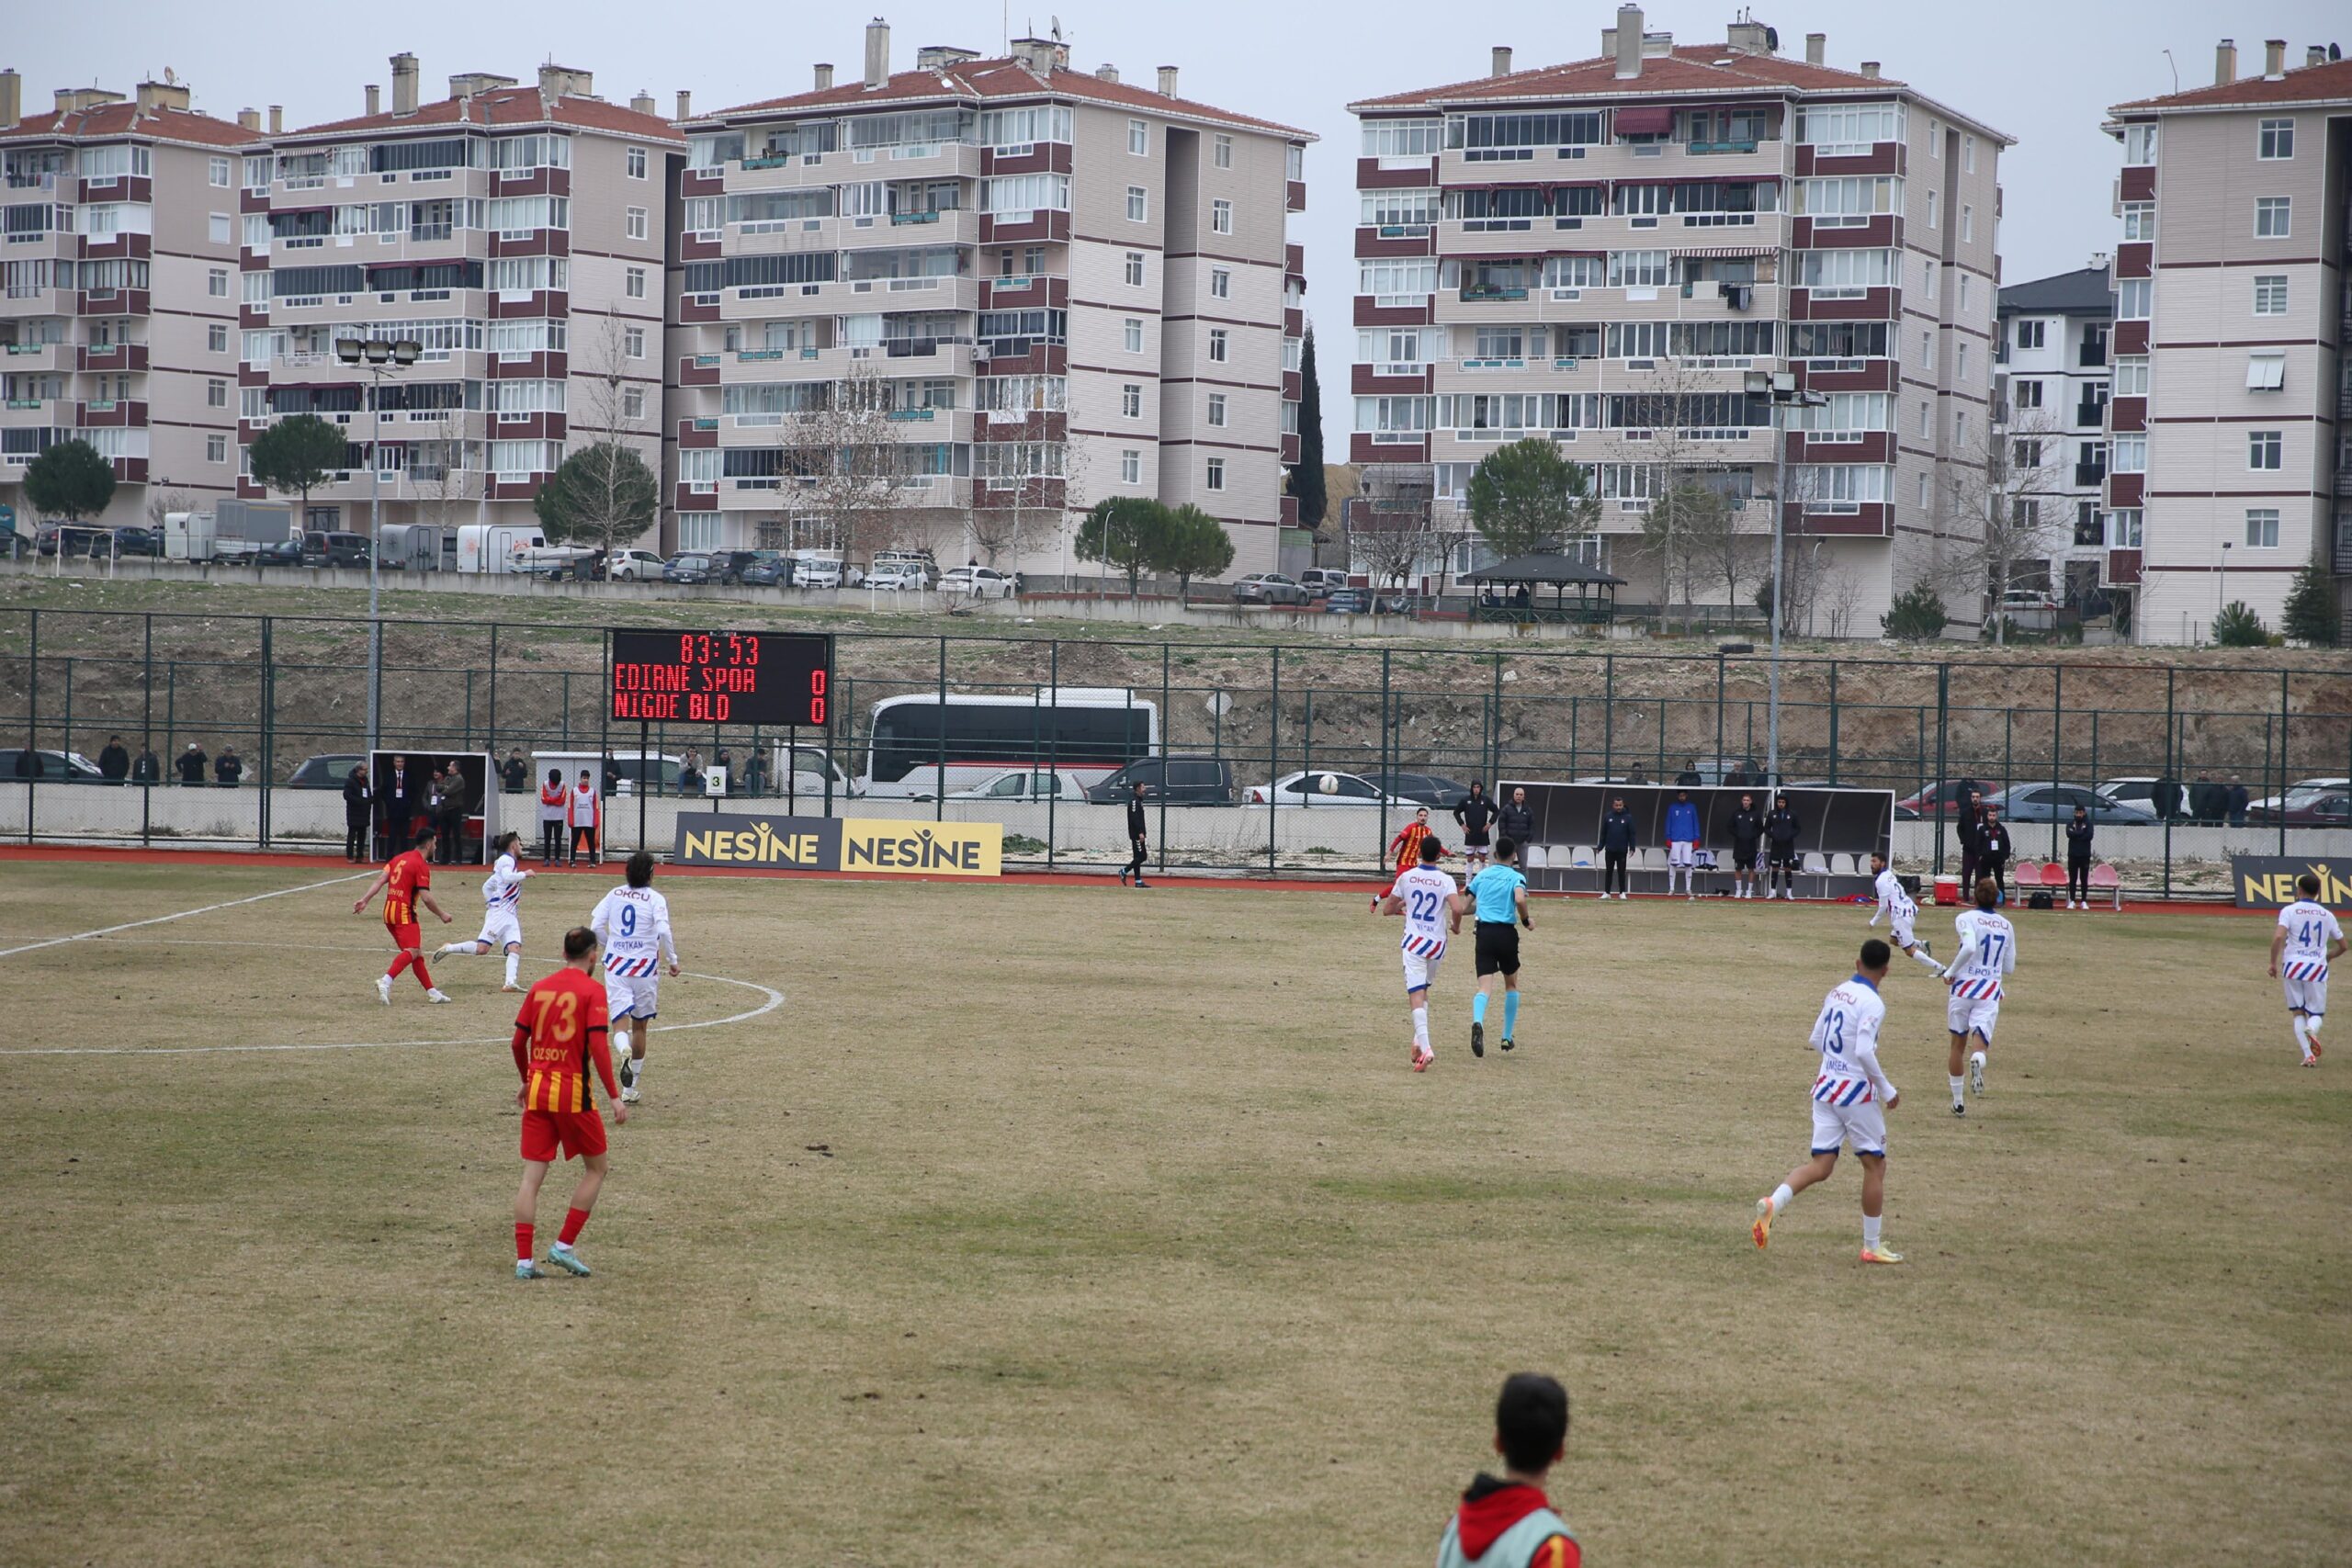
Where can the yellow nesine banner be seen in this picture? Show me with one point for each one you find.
(846, 844)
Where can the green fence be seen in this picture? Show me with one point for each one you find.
(284, 690)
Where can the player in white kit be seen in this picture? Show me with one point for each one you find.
(1426, 897)
(1987, 950)
(501, 915)
(1851, 1099)
(1900, 910)
(2307, 938)
(633, 923)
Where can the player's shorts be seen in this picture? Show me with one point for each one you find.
(1682, 851)
(411, 935)
(1964, 1016)
(500, 929)
(632, 996)
(1785, 857)
(2308, 997)
(1497, 950)
(1899, 927)
(550, 1134)
(1745, 857)
(1862, 1125)
(1421, 973)
(1474, 843)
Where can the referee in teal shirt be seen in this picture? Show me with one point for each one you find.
(1500, 892)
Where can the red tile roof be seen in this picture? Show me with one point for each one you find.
(126, 120)
(507, 106)
(1702, 68)
(2330, 80)
(1007, 79)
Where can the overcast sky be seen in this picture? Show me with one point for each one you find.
(2041, 71)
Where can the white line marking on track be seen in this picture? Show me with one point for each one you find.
(180, 915)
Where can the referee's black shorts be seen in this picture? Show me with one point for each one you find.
(1497, 948)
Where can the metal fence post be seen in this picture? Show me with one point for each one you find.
(494, 688)
(2057, 745)
(1719, 712)
(939, 722)
(1943, 754)
(266, 697)
(2165, 774)
(1274, 756)
(66, 745)
(1495, 752)
(1053, 743)
(147, 729)
(1608, 713)
(32, 707)
(1166, 720)
(1833, 724)
(1388, 764)
(2283, 761)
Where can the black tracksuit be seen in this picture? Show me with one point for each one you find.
(1616, 840)
(1993, 854)
(1746, 828)
(1781, 826)
(1474, 815)
(1136, 830)
(2078, 860)
(359, 810)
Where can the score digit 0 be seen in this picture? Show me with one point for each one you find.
(816, 696)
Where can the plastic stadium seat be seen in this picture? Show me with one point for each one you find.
(1537, 856)
(2104, 880)
(1579, 854)
(1815, 863)
(2027, 872)
(1648, 860)
(1846, 866)
(2054, 874)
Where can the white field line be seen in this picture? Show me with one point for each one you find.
(181, 915)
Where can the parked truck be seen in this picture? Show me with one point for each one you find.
(232, 530)
(498, 546)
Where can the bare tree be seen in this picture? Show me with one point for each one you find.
(162, 503)
(843, 462)
(2003, 511)
(437, 467)
(1389, 547)
(1722, 546)
(1007, 519)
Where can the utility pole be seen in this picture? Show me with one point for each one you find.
(379, 359)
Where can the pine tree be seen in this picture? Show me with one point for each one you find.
(1307, 475)
(2310, 617)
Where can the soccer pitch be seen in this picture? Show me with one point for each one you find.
(1068, 1224)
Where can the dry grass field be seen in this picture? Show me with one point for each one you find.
(1067, 1226)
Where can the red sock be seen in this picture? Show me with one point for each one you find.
(522, 1242)
(423, 977)
(573, 1220)
(399, 964)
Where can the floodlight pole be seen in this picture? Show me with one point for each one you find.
(379, 357)
(1779, 387)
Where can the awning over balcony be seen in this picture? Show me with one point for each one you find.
(1645, 120)
(1554, 570)
(1723, 251)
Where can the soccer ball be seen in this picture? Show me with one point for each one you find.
(1328, 783)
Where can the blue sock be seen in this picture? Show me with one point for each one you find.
(1511, 1013)
(1478, 1008)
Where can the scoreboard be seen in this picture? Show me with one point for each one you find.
(680, 677)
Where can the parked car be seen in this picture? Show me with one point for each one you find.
(691, 567)
(56, 767)
(1423, 789)
(2301, 806)
(2312, 811)
(1348, 600)
(1306, 789)
(898, 576)
(1952, 792)
(277, 552)
(2140, 791)
(633, 566)
(326, 770)
(335, 549)
(128, 541)
(2057, 803)
(1179, 781)
(1322, 582)
(766, 568)
(1025, 784)
(1268, 588)
(816, 571)
(978, 582)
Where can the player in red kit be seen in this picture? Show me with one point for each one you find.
(406, 882)
(560, 1031)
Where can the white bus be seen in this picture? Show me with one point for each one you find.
(1090, 731)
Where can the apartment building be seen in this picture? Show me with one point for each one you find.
(2050, 390)
(517, 233)
(1599, 253)
(955, 306)
(2228, 466)
(118, 300)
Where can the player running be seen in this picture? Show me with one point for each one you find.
(1499, 894)
(1475, 816)
(1987, 950)
(1900, 910)
(1426, 897)
(2307, 938)
(632, 922)
(406, 882)
(560, 1031)
(1851, 1099)
(1406, 846)
(501, 917)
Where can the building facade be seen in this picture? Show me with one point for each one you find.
(118, 292)
(1598, 253)
(2228, 463)
(517, 233)
(2049, 392)
(955, 306)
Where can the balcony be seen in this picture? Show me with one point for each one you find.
(1476, 293)
(2089, 476)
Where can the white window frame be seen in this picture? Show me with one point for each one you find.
(1220, 283)
(1967, 224)
(1138, 204)
(216, 338)
(2270, 294)
(215, 448)
(1220, 345)
(633, 283)
(2136, 298)
(1130, 465)
(1135, 272)
(216, 392)
(2140, 145)
(2131, 377)
(1131, 399)
(2139, 220)
(217, 171)
(1222, 150)
(633, 160)
(637, 224)
(2032, 332)
(633, 341)
(2261, 527)
(2274, 217)
(1139, 138)
(2266, 451)
(2266, 372)
(2274, 139)
(1220, 215)
(1216, 409)
(633, 402)
(1968, 154)
(1214, 475)
(1132, 333)
(216, 283)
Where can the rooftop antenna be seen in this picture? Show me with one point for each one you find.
(2175, 70)
(1057, 30)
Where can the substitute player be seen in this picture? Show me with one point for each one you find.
(559, 1032)
(406, 882)
(1499, 894)
(1851, 1099)
(2307, 938)
(632, 921)
(1900, 910)
(1426, 897)
(1475, 816)
(1987, 950)
(1746, 828)
(502, 916)
(1681, 843)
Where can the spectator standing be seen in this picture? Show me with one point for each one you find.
(1508, 1522)
(1688, 778)
(1516, 820)
(1474, 815)
(29, 764)
(149, 768)
(1640, 776)
(612, 779)
(554, 807)
(2165, 797)
(397, 794)
(1992, 851)
(359, 810)
(2078, 860)
(2237, 801)
(113, 761)
(2208, 802)
(1616, 843)
(228, 767)
(191, 764)
(515, 774)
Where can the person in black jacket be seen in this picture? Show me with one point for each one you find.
(2078, 860)
(1138, 827)
(1474, 815)
(359, 810)
(1992, 851)
(1970, 831)
(397, 795)
(513, 774)
(1515, 821)
(113, 761)
(2235, 801)
(191, 764)
(149, 768)
(1781, 830)
(1746, 828)
(1616, 843)
(227, 768)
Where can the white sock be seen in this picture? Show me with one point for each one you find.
(1870, 1233)
(1781, 1197)
(1959, 1091)
(2302, 1032)
(1422, 1029)
(1977, 1061)
(1921, 955)
(513, 959)
(449, 949)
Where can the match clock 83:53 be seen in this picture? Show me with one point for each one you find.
(670, 677)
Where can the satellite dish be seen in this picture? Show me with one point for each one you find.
(1057, 30)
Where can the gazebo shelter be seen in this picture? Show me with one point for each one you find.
(1595, 590)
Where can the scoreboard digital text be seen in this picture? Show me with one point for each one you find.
(672, 677)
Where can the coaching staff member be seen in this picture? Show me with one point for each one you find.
(1137, 828)
(1474, 815)
(397, 794)
(1516, 820)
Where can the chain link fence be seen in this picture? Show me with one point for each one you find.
(287, 698)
